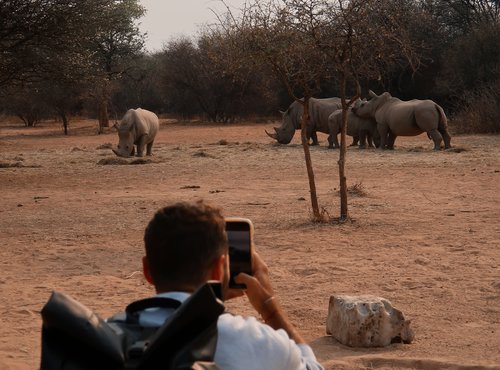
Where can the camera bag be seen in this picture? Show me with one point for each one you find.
(75, 338)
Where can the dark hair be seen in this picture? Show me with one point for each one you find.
(182, 242)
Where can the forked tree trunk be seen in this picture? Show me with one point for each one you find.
(307, 156)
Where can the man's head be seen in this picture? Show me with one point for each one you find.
(186, 245)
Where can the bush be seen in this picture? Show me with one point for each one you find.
(480, 111)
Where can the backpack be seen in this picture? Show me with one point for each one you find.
(75, 338)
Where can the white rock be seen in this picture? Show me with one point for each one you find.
(366, 321)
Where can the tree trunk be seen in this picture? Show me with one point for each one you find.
(307, 155)
(342, 156)
(103, 114)
(65, 123)
(31, 120)
(344, 214)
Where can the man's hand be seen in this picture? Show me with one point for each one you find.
(259, 289)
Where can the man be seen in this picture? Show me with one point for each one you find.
(186, 245)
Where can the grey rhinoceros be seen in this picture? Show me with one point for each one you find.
(137, 127)
(319, 111)
(362, 129)
(405, 118)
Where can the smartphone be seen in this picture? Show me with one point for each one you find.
(239, 235)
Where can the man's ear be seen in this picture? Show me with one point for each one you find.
(218, 268)
(146, 271)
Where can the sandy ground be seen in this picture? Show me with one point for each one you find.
(425, 235)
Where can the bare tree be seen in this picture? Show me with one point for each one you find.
(309, 41)
(269, 33)
(207, 76)
(361, 39)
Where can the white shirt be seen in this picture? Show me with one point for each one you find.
(244, 342)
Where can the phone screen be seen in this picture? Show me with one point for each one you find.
(240, 254)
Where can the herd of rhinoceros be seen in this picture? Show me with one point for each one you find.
(379, 120)
(376, 121)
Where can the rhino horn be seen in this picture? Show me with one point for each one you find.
(372, 94)
(274, 136)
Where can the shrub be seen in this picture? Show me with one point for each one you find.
(480, 111)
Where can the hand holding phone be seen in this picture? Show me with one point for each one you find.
(259, 288)
(240, 235)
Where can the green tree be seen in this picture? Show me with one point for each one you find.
(63, 42)
(32, 32)
(117, 42)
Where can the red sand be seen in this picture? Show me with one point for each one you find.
(425, 235)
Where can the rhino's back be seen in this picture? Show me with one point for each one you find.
(146, 122)
(321, 109)
(401, 116)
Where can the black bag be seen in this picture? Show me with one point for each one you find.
(74, 338)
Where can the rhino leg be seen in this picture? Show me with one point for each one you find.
(446, 138)
(355, 140)
(436, 137)
(375, 136)
(314, 138)
(149, 149)
(333, 142)
(362, 140)
(330, 142)
(369, 139)
(140, 146)
(391, 138)
(384, 133)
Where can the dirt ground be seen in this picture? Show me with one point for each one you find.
(424, 233)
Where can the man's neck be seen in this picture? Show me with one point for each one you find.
(166, 288)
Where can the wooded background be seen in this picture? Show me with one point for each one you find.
(61, 58)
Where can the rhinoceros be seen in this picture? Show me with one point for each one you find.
(362, 129)
(319, 110)
(405, 118)
(137, 127)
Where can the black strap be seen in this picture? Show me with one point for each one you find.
(133, 309)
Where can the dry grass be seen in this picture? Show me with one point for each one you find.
(123, 161)
(16, 165)
(357, 190)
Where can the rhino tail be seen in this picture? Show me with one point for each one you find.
(443, 127)
(443, 121)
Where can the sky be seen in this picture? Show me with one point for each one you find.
(166, 19)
